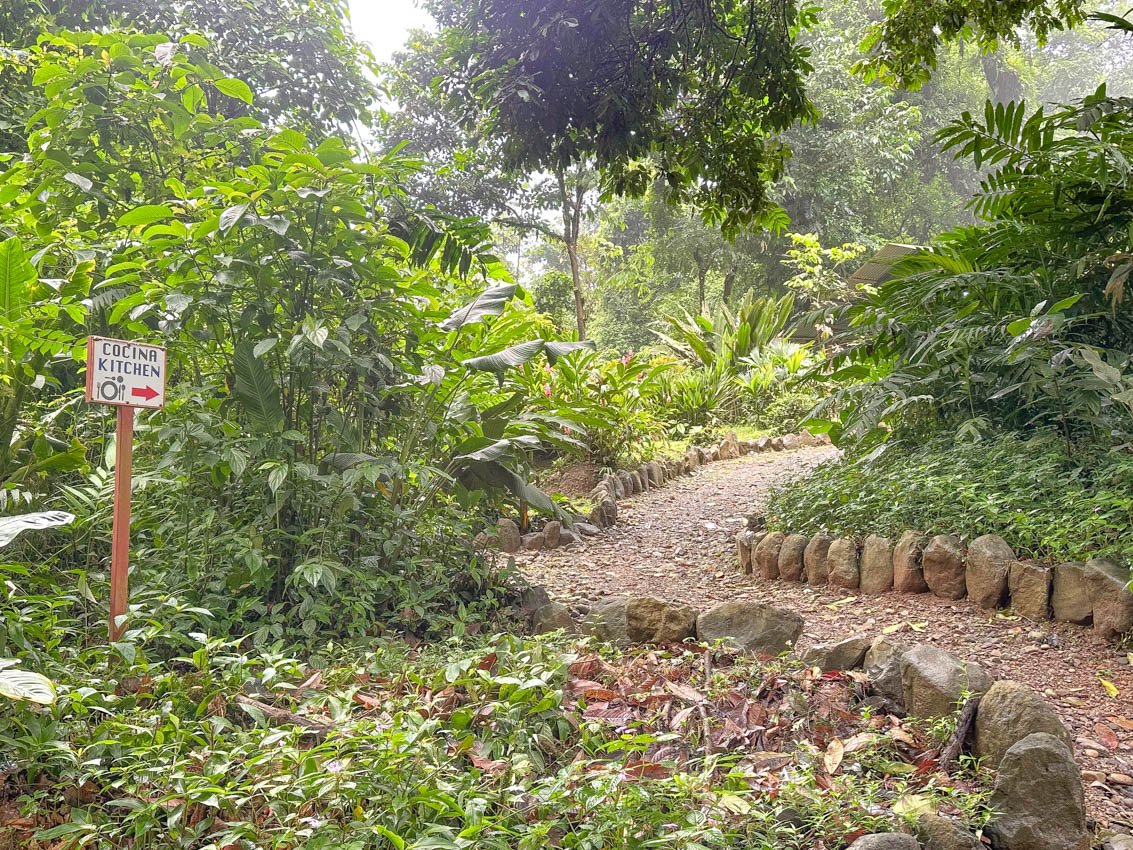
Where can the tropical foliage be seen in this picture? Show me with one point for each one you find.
(1018, 322)
(393, 296)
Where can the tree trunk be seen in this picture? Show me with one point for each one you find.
(1001, 78)
(572, 223)
(729, 285)
(701, 280)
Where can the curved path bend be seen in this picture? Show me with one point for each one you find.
(676, 543)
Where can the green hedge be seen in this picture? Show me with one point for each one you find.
(1047, 503)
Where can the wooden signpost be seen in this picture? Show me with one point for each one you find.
(127, 375)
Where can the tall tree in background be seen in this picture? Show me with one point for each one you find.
(470, 174)
(690, 93)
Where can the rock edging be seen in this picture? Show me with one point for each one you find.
(987, 572)
(624, 483)
(1038, 796)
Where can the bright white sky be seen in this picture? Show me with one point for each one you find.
(384, 24)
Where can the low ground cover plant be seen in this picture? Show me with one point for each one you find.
(1046, 503)
(503, 743)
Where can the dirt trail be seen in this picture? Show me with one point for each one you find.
(676, 543)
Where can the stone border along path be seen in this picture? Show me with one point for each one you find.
(623, 483)
(677, 543)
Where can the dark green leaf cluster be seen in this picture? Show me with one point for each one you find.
(903, 47)
(687, 93)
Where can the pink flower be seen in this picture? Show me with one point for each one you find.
(627, 358)
(547, 390)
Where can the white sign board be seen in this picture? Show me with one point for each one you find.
(125, 373)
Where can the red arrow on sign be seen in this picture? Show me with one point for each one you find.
(148, 393)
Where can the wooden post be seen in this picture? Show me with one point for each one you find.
(120, 545)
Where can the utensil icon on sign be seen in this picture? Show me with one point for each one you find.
(112, 389)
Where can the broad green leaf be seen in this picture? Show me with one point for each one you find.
(25, 686)
(499, 362)
(146, 214)
(10, 526)
(84, 183)
(288, 140)
(258, 391)
(555, 350)
(490, 302)
(234, 88)
(264, 346)
(231, 217)
(16, 277)
(343, 461)
(501, 448)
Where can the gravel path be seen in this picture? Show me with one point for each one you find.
(676, 543)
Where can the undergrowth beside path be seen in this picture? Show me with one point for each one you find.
(1045, 503)
(511, 743)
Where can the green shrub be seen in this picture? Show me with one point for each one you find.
(608, 409)
(700, 398)
(1045, 503)
(787, 411)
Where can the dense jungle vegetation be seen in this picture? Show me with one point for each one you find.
(397, 296)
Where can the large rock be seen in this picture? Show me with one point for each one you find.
(940, 833)
(877, 565)
(640, 619)
(628, 482)
(885, 841)
(1038, 798)
(1008, 713)
(943, 564)
(534, 541)
(842, 563)
(791, 558)
(1029, 585)
(692, 460)
(552, 532)
(1111, 599)
(551, 618)
(607, 513)
(989, 561)
(814, 560)
(766, 555)
(841, 655)
(508, 534)
(750, 626)
(730, 447)
(745, 542)
(882, 663)
(935, 681)
(1070, 595)
(656, 473)
(533, 596)
(616, 487)
(908, 574)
